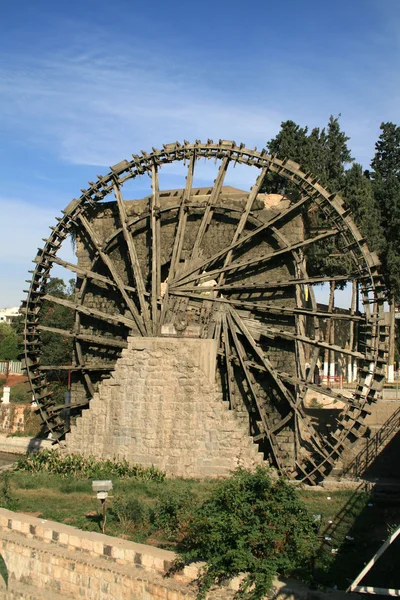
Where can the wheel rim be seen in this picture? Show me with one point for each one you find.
(238, 308)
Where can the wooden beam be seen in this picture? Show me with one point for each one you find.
(93, 339)
(114, 273)
(82, 272)
(94, 367)
(92, 312)
(263, 416)
(243, 240)
(264, 307)
(155, 248)
(259, 259)
(208, 213)
(280, 283)
(273, 332)
(243, 219)
(134, 260)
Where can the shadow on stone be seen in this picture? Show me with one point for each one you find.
(3, 571)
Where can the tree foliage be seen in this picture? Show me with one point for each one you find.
(324, 153)
(9, 342)
(385, 177)
(250, 524)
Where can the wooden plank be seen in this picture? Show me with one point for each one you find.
(155, 248)
(249, 379)
(245, 215)
(93, 339)
(228, 363)
(243, 240)
(134, 260)
(306, 421)
(111, 267)
(92, 312)
(182, 220)
(179, 237)
(240, 264)
(82, 272)
(281, 283)
(208, 213)
(265, 307)
(94, 367)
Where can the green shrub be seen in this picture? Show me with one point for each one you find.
(131, 512)
(7, 499)
(253, 525)
(74, 465)
(173, 513)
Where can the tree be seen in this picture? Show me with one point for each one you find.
(324, 153)
(385, 176)
(359, 197)
(253, 525)
(9, 342)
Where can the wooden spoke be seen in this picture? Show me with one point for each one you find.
(275, 376)
(81, 272)
(93, 339)
(182, 219)
(251, 383)
(179, 236)
(111, 267)
(210, 206)
(93, 312)
(89, 367)
(155, 248)
(244, 239)
(269, 308)
(262, 258)
(243, 219)
(272, 332)
(137, 271)
(281, 283)
(230, 377)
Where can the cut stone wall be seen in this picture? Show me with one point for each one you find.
(44, 560)
(162, 407)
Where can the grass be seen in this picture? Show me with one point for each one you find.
(134, 513)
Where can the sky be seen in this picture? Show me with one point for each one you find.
(85, 84)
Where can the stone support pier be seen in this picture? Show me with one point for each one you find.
(162, 407)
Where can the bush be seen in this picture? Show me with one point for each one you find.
(74, 465)
(173, 513)
(131, 513)
(7, 499)
(251, 525)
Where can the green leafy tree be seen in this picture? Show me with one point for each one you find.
(385, 176)
(253, 525)
(9, 342)
(324, 153)
(359, 196)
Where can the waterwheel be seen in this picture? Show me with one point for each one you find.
(224, 264)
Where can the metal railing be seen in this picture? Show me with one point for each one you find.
(374, 445)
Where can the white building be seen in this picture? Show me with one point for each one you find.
(8, 314)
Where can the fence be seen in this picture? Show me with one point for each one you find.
(11, 367)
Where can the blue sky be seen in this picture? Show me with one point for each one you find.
(85, 84)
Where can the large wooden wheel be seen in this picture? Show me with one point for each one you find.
(233, 271)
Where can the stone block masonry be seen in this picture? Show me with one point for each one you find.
(43, 560)
(162, 407)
